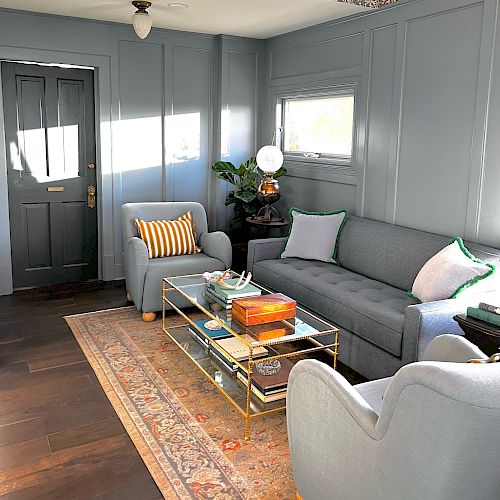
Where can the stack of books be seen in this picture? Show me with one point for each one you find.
(485, 312)
(214, 335)
(225, 296)
(237, 349)
(269, 388)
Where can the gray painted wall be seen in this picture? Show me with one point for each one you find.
(154, 98)
(427, 79)
(428, 114)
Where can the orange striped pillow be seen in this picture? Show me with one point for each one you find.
(165, 238)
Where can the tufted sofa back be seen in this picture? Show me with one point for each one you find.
(395, 254)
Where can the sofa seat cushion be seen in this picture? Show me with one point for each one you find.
(372, 310)
(173, 266)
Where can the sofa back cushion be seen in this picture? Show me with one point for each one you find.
(395, 254)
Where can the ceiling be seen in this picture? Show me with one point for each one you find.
(248, 18)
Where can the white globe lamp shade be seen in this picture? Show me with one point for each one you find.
(270, 159)
(142, 23)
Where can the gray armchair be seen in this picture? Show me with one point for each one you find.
(144, 275)
(430, 432)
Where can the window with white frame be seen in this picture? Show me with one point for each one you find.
(318, 126)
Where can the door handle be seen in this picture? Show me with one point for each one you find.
(91, 196)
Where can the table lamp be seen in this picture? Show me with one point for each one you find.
(269, 160)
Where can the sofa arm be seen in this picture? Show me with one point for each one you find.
(330, 427)
(425, 321)
(136, 261)
(269, 248)
(218, 246)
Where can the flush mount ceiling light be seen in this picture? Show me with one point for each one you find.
(141, 20)
(178, 5)
(374, 4)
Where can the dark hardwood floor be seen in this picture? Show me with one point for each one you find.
(59, 435)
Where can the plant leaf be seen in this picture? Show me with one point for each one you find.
(228, 177)
(230, 199)
(245, 195)
(224, 166)
(280, 173)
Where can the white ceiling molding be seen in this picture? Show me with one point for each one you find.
(254, 19)
(373, 4)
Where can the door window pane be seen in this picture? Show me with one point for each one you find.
(321, 125)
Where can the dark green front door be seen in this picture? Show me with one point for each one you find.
(50, 141)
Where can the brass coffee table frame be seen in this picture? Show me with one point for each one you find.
(246, 409)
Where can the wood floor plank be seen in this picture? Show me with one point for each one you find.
(39, 346)
(11, 372)
(59, 435)
(17, 375)
(20, 454)
(81, 472)
(24, 430)
(56, 360)
(8, 337)
(85, 434)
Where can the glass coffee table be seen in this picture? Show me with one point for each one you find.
(292, 339)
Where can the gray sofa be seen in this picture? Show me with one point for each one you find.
(381, 328)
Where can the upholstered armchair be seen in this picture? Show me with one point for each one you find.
(144, 275)
(430, 432)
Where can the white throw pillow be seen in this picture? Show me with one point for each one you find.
(448, 273)
(314, 235)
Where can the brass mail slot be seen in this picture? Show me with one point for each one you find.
(55, 189)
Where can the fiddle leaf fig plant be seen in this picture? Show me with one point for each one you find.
(245, 179)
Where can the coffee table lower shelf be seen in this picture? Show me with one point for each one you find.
(226, 382)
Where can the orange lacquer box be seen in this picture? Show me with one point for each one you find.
(263, 309)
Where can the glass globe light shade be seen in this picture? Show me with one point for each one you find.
(142, 23)
(270, 159)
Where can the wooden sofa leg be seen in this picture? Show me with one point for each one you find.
(129, 297)
(148, 317)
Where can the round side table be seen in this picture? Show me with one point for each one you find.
(273, 223)
(264, 227)
(480, 333)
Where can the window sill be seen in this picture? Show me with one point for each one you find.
(314, 168)
(329, 161)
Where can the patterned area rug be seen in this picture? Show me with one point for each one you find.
(188, 435)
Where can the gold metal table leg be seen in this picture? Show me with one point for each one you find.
(246, 435)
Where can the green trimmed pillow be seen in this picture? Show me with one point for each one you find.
(449, 273)
(315, 235)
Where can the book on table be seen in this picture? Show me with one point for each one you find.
(224, 361)
(269, 387)
(213, 299)
(228, 294)
(237, 349)
(482, 315)
(489, 307)
(211, 334)
(276, 382)
(265, 398)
